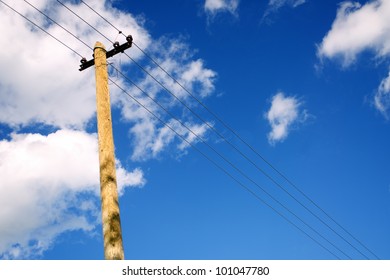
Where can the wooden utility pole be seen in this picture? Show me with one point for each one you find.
(113, 247)
(112, 233)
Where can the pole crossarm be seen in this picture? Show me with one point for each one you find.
(117, 49)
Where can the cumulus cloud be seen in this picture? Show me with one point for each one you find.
(41, 81)
(216, 6)
(50, 184)
(358, 28)
(283, 114)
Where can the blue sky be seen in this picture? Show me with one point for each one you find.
(305, 83)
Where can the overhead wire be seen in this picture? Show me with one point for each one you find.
(160, 119)
(227, 172)
(229, 162)
(229, 142)
(61, 26)
(211, 127)
(204, 154)
(42, 29)
(94, 28)
(245, 156)
(220, 135)
(243, 141)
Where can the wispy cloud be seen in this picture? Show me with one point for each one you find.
(217, 6)
(358, 28)
(382, 97)
(150, 137)
(285, 112)
(50, 184)
(275, 5)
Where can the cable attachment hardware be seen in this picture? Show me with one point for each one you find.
(129, 39)
(117, 49)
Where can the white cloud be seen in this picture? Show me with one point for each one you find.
(215, 6)
(175, 56)
(358, 28)
(275, 5)
(150, 137)
(382, 97)
(198, 134)
(50, 185)
(41, 81)
(196, 74)
(283, 114)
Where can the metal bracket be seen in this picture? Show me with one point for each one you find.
(117, 49)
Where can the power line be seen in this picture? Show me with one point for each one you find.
(70, 10)
(209, 146)
(102, 17)
(65, 29)
(241, 153)
(211, 127)
(244, 155)
(229, 162)
(243, 141)
(223, 169)
(40, 28)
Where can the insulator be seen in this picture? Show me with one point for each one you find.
(129, 39)
(116, 44)
(83, 60)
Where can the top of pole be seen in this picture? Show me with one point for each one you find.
(117, 49)
(99, 45)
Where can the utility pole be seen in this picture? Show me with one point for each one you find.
(112, 233)
(113, 248)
